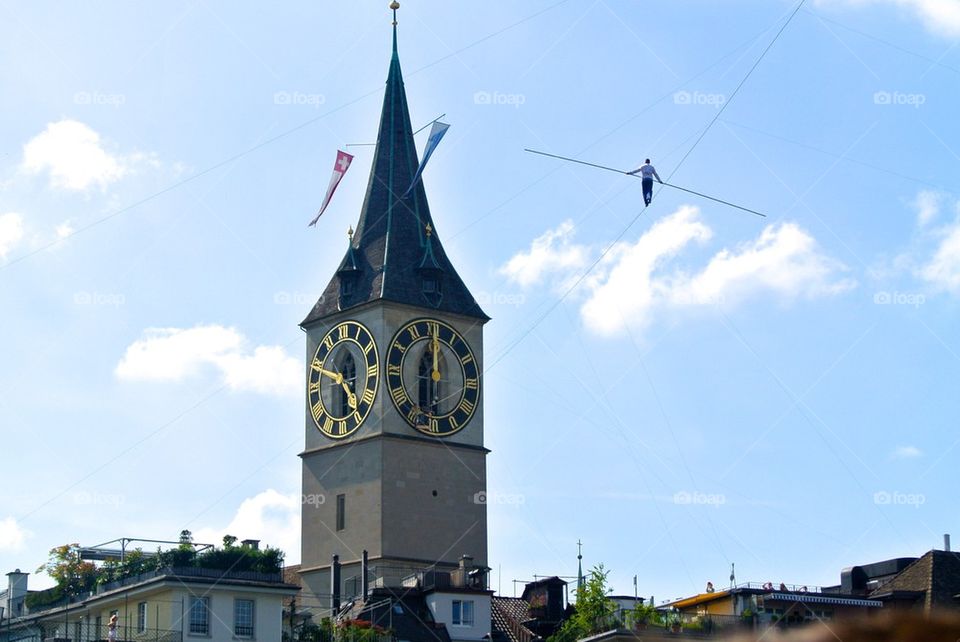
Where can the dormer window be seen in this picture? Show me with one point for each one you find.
(346, 285)
(431, 285)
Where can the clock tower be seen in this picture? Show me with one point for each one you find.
(394, 464)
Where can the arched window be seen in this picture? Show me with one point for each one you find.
(348, 368)
(429, 391)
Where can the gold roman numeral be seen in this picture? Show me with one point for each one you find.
(454, 424)
(368, 396)
(467, 406)
(328, 341)
(467, 358)
(399, 395)
(368, 348)
(393, 370)
(471, 384)
(414, 332)
(314, 387)
(316, 366)
(317, 411)
(343, 331)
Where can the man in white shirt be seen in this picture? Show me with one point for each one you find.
(647, 172)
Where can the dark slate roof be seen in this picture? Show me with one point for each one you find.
(505, 611)
(936, 575)
(391, 247)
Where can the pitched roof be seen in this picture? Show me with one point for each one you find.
(936, 574)
(392, 247)
(507, 615)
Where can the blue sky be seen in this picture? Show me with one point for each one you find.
(779, 393)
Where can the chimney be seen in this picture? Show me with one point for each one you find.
(251, 543)
(365, 575)
(946, 542)
(16, 593)
(335, 585)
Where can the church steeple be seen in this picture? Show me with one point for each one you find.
(391, 240)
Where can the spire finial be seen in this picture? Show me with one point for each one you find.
(350, 232)
(429, 229)
(394, 6)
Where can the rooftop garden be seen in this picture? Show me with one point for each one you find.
(75, 576)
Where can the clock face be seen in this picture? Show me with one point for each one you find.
(433, 378)
(343, 378)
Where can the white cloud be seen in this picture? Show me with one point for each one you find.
(11, 232)
(927, 204)
(270, 516)
(943, 269)
(938, 16)
(12, 535)
(64, 230)
(549, 252)
(637, 280)
(75, 158)
(174, 354)
(906, 452)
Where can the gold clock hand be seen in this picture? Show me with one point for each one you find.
(435, 375)
(338, 379)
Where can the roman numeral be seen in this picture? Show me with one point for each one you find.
(328, 341)
(467, 406)
(399, 395)
(433, 328)
(342, 427)
(316, 366)
(467, 358)
(317, 411)
(314, 387)
(368, 396)
(414, 332)
(393, 370)
(373, 371)
(399, 347)
(368, 348)
(454, 424)
(343, 330)
(471, 384)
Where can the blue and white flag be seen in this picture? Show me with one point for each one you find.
(436, 133)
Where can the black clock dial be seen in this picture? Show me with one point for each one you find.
(433, 377)
(343, 378)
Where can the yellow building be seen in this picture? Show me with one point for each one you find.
(765, 605)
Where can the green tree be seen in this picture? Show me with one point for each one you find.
(69, 571)
(593, 612)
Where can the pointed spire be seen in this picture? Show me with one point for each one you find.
(392, 240)
(579, 565)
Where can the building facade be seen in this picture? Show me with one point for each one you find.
(170, 605)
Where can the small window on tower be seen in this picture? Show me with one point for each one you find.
(341, 512)
(346, 286)
(430, 285)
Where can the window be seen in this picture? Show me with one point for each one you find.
(429, 391)
(97, 623)
(341, 512)
(199, 616)
(243, 618)
(462, 613)
(348, 368)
